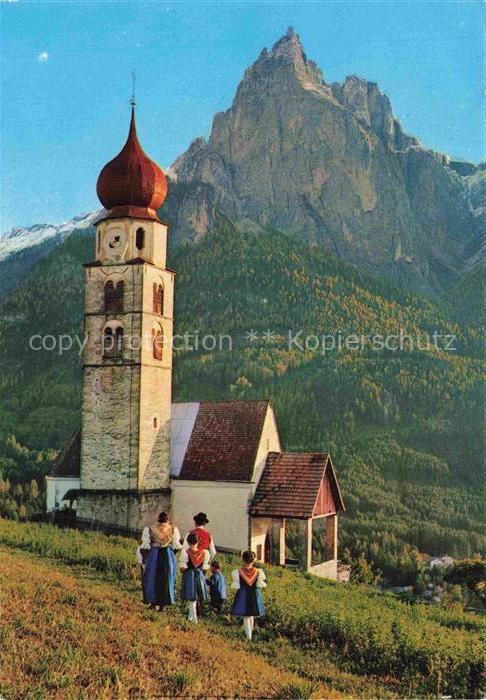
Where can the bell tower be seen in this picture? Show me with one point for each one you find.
(127, 367)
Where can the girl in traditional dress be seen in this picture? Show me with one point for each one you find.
(160, 567)
(248, 582)
(194, 562)
(204, 538)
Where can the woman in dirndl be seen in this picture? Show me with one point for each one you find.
(160, 569)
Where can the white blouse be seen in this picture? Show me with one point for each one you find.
(139, 556)
(235, 579)
(184, 559)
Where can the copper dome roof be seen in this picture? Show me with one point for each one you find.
(131, 184)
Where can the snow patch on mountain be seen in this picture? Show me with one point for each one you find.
(19, 238)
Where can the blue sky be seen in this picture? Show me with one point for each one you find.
(66, 79)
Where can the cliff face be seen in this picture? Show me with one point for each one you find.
(328, 163)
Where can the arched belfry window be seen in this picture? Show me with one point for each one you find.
(140, 238)
(157, 343)
(114, 296)
(158, 296)
(113, 341)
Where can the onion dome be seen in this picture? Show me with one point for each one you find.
(131, 184)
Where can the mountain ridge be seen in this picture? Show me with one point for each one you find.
(18, 238)
(21, 247)
(329, 163)
(326, 162)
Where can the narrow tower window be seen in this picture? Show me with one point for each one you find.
(158, 302)
(114, 296)
(157, 343)
(140, 238)
(108, 342)
(118, 341)
(113, 342)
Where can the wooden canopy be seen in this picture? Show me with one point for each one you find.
(298, 485)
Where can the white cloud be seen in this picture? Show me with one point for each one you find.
(43, 56)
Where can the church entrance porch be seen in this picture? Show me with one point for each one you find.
(309, 544)
(295, 507)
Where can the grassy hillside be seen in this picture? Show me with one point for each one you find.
(365, 643)
(86, 638)
(404, 426)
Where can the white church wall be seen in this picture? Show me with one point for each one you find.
(56, 488)
(260, 528)
(269, 442)
(225, 503)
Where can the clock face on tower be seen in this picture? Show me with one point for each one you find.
(115, 243)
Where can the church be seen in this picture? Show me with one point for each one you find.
(136, 452)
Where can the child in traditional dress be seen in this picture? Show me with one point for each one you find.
(204, 538)
(248, 582)
(217, 587)
(194, 562)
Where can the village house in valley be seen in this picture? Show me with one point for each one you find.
(136, 452)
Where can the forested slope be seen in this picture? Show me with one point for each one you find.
(404, 426)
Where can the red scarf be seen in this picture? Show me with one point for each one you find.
(196, 557)
(249, 574)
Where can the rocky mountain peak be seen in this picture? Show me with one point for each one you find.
(289, 47)
(372, 108)
(183, 165)
(285, 63)
(331, 164)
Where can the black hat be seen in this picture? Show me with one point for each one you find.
(201, 519)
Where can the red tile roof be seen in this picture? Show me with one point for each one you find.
(224, 441)
(291, 482)
(222, 446)
(68, 463)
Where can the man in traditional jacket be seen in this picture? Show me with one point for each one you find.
(204, 538)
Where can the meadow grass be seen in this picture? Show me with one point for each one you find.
(425, 651)
(67, 637)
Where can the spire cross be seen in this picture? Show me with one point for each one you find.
(132, 101)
